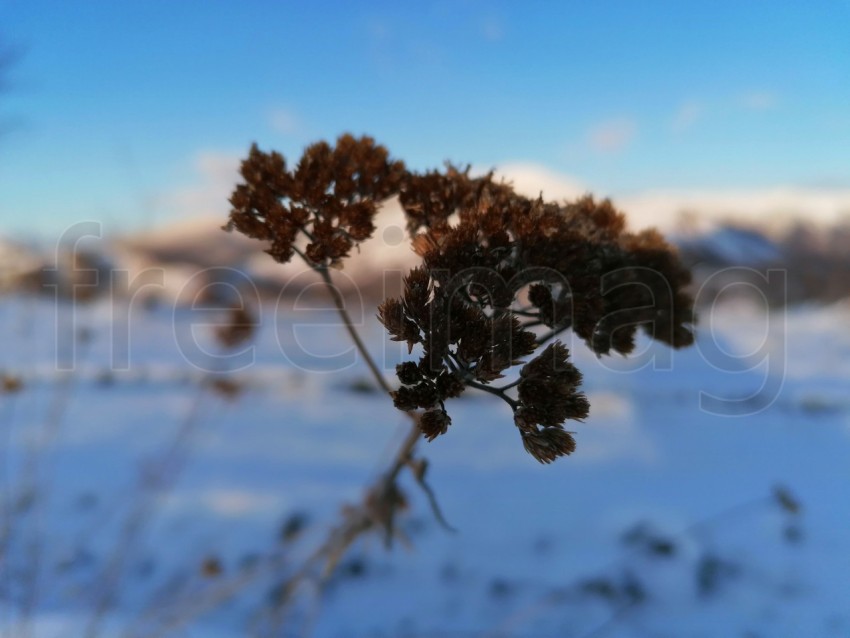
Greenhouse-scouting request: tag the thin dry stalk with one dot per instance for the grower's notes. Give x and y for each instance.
(154, 481)
(375, 511)
(11, 391)
(780, 497)
(33, 492)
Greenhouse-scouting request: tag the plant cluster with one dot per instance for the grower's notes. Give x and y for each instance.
(508, 268)
(501, 277)
(330, 198)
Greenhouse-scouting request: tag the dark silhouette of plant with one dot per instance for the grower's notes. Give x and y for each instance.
(501, 277)
(330, 198)
(319, 211)
(511, 264)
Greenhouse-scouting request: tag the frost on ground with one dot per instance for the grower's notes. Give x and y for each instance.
(707, 497)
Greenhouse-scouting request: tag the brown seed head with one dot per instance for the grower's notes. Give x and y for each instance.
(330, 198)
(494, 265)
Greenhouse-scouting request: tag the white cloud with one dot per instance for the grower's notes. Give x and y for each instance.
(612, 136)
(778, 207)
(688, 114)
(217, 167)
(216, 173)
(531, 179)
(668, 209)
(378, 30)
(492, 29)
(285, 121)
(758, 101)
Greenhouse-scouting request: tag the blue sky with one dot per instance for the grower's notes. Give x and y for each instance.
(136, 112)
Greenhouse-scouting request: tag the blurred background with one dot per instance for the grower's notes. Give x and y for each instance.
(726, 120)
(710, 484)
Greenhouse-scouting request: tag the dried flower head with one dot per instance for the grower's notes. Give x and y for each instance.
(431, 199)
(330, 197)
(496, 269)
(211, 567)
(501, 277)
(239, 329)
(10, 384)
(228, 389)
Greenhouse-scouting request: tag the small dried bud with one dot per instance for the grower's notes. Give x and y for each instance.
(211, 567)
(239, 329)
(330, 197)
(421, 395)
(450, 385)
(405, 399)
(10, 384)
(417, 290)
(433, 423)
(786, 500)
(408, 373)
(547, 390)
(548, 444)
(227, 389)
(292, 528)
(391, 313)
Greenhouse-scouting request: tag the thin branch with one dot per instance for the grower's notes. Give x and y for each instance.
(338, 300)
(533, 324)
(521, 313)
(418, 471)
(542, 339)
(494, 391)
(464, 371)
(510, 385)
(358, 520)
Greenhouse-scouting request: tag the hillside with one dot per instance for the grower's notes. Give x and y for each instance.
(178, 262)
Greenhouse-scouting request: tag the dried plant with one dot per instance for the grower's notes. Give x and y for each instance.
(239, 329)
(511, 264)
(501, 276)
(319, 211)
(330, 197)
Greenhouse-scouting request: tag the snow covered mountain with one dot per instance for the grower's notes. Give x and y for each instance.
(178, 262)
(726, 245)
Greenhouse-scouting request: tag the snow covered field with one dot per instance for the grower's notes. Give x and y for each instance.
(675, 516)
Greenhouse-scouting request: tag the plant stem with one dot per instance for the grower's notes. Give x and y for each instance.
(405, 450)
(361, 519)
(336, 295)
(464, 371)
(499, 392)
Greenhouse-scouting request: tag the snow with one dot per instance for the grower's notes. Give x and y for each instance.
(778, 207)
(730, 246)
(664, 522)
